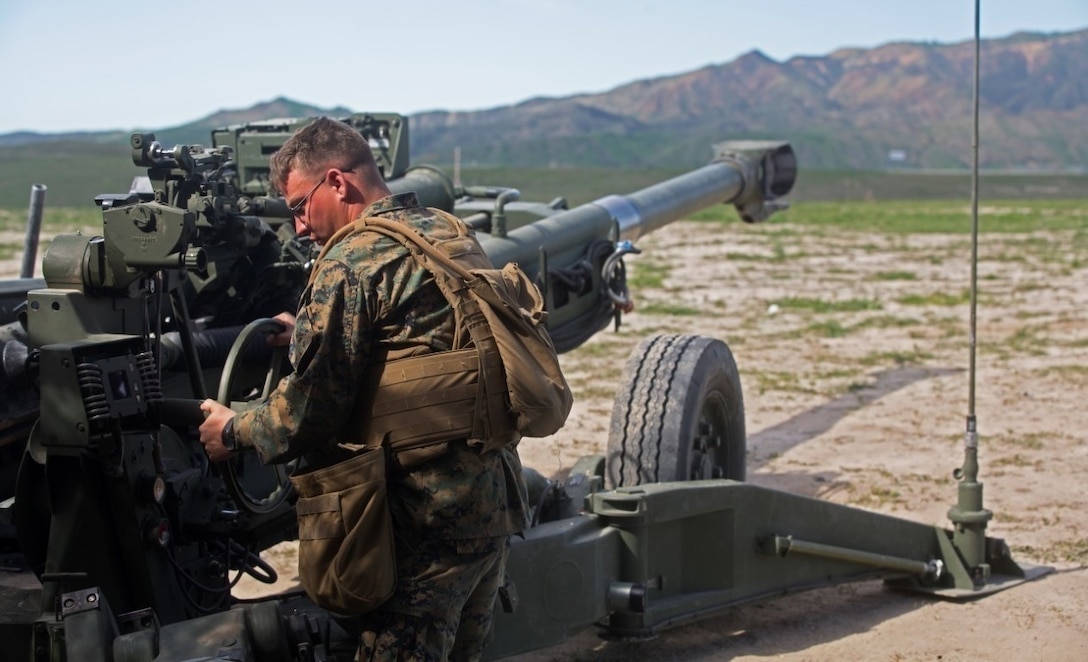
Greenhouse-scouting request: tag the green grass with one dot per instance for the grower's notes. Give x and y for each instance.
(887, 322)
(896, 275)
(1072, 373)
(926, 216)
(54, 219)
(1068, 551)
(1016, 460)
(898, 358)
(829, 329)
(825, 306)
(673, 310)
(646, 274)
(75, 172)
(936, 299)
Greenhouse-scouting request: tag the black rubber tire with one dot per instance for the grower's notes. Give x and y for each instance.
(678, 414)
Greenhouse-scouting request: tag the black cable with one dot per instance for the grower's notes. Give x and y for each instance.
(549, 488)
(252, 563)
(182, 574)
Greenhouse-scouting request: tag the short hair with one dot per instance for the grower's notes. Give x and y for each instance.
(323, 143)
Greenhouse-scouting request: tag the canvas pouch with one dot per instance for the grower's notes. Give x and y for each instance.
(346, 555)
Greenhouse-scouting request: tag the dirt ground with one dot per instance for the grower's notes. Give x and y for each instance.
(853, 353)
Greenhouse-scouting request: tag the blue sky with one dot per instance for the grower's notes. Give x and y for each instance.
(109, 64)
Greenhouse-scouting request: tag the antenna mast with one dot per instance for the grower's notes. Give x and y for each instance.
(968, 515)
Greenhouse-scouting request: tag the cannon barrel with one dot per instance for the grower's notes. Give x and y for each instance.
(574, 255)
(752, 175)
(432, 186)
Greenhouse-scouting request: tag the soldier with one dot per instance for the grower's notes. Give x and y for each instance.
(452, 507)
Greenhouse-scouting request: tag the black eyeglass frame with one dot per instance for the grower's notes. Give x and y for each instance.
(298, 208)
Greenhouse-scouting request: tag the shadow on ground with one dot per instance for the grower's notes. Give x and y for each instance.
(793, 432)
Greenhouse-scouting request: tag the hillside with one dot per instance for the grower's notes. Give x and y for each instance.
(849, 109)
(196, 132)
(901, 105)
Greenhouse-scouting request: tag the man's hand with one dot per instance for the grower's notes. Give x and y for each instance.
(211, 430)
(283, 339)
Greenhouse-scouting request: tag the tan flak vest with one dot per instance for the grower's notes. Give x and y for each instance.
(414, 403)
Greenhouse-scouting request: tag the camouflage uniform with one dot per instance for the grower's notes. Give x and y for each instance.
(452, 515)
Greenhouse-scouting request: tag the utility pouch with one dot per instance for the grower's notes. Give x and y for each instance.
(346, 555)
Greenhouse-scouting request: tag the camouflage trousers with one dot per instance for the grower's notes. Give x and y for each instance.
(441, 609)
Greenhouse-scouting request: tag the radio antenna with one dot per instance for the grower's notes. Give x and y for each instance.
(968, 515)
(973, 342)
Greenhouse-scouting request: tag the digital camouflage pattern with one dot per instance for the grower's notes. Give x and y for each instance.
(367, 296)
(447, 619)
(367, 293)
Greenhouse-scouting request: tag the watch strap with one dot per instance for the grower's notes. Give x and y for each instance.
(230, 441)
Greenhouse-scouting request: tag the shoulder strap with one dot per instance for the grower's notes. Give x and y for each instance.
(409, 237)
(403, 234)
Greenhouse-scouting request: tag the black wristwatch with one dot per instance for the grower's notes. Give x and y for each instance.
(230, 442)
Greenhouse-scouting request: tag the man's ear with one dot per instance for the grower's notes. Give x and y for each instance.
(338, 181)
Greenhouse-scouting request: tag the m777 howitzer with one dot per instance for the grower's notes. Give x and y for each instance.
(124, 541)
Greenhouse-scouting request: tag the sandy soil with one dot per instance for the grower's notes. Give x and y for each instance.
(853, 352)
(868, 407)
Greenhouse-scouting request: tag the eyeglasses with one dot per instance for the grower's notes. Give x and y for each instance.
(298, 209)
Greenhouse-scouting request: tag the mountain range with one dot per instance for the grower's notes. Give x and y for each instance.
(907, 105)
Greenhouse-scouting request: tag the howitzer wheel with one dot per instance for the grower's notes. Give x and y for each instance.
(678, 414)
(240, 469)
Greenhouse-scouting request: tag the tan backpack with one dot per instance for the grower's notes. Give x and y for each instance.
(520, 389)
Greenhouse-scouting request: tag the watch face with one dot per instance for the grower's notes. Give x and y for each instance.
(228, 435)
